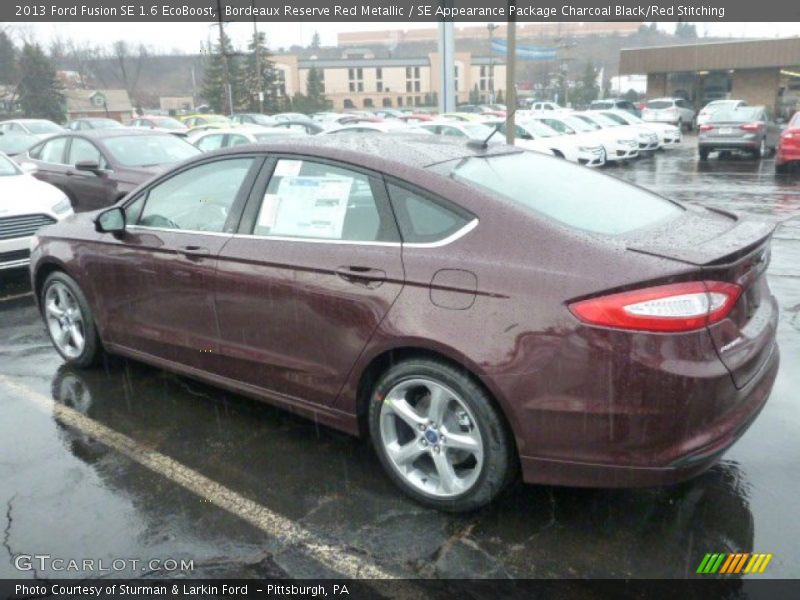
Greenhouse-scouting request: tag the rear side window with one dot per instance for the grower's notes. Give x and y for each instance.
(658, 104)
(422, 220)
(572, 195)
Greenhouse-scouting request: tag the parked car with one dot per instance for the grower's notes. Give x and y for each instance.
(709, 109)
(616, 104)
(535, 135)
(388, 113)
(92, 123)
(253, 119)
(291, 116)
(214, 139)
(788, 147)
(160, 123)
(538, 105)
(95, 168)
(26, 204)
(750, 129)
(304, 126)
(675, 111)
(12, 144)
(207, 121)
(474, 310)
(41, 128)
(474, 109)
(648, 140)
(462, 116)
(364, 127)
(670, 135)
(414, 118)
(618, 147)
(469, 130)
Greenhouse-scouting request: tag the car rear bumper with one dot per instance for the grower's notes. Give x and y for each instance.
(683, 459)
(785, 155)
(729, 144)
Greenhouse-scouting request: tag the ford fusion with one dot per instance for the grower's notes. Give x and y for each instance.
(479, 312)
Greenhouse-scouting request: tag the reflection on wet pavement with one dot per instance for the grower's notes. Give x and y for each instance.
(66, 493)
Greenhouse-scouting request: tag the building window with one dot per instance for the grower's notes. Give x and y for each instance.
(348, 103)
(355, 79)
(455, 77)
(387, 102)
(412, 79)
(378, 79)
(487, 78)
(368, 103)
(399, 101)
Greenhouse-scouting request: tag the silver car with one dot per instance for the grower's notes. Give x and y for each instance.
(750, 129)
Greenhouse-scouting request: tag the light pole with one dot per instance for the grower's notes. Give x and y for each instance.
(257, 56)
(491, 27)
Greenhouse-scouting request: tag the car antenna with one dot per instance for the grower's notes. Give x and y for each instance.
(485, 143)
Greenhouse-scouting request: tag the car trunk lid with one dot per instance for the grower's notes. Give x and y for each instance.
(726, 247)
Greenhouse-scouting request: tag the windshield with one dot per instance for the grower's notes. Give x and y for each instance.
(7, 167)
(603, 120)
(104, 123)
(149, 150)
(42, 127)
(657, 104)
(602, 104)
(477, 130)
(616, 118)
(580, 125)
(737, 115)
(575, 196)
(538, 129)
(16, 143)
(168, 123)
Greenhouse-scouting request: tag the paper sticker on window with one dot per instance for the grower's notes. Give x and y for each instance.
(269, 208)
(313, 207)
(288, 168)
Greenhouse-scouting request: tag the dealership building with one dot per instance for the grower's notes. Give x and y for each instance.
(758, 71)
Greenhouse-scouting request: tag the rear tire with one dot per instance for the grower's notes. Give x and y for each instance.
(761, 151)
(439, 436)
(782, 168)
(69, 321)
(703, 153)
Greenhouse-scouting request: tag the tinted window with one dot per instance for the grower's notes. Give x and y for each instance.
(198, 199)
(149, 150)
(422, 220)
(306, 199)
(53, 151)
(84, 150)
(572, 195)
(237, 140)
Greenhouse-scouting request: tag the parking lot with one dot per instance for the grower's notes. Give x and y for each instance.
(129, 462)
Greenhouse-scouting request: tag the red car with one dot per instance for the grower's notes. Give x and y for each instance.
(788, 150)
(415, 118)
(424, 293)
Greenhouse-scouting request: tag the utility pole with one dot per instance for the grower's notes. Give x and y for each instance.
(511, 64)
(491, 27)
(257, 57)
(447, 95)
(226, 74)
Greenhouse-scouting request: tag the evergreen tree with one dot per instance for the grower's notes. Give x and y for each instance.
(315, 42)
(315, 91)
(588, 89)
(214, 89)
(8, 60)
(39, 90)
(499, 98)
(686, 30)
(474, 95)
(264, 79)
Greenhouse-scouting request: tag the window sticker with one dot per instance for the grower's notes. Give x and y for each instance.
(288, 168)
(312, 207)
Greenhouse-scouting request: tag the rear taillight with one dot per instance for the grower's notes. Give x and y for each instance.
(664, 308)
(751, 127)
(705, 127)
(792, 133)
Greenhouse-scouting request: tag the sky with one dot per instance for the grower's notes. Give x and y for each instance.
(187, 37)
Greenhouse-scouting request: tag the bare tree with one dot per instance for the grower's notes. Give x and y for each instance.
(129, 65)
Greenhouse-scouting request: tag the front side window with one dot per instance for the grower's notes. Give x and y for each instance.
(197, 199)
(574, 196)
(211, 142)
(149, 150)
(422, 220)
(83, 150)
(311, 200)
(53, 151)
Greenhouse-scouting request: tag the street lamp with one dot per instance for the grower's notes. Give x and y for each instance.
(491, 27)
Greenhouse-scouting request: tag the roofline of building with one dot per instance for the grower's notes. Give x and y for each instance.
(736, 41)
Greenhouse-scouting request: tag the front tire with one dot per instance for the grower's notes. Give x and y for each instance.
(439, 436)
(69, 320)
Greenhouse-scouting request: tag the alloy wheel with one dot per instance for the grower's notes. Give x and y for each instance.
(64, 320)
(431, 438)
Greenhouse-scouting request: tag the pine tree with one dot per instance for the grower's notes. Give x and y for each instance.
(500, 99)
(8, 60)
(315, 41)
(264, 79)
(474, 95)
(588, 90)
(315, 91)
(39, 90)
(213, 88)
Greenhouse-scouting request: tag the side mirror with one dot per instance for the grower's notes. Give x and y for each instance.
(111, 221)
(28, 167)
(91, 166)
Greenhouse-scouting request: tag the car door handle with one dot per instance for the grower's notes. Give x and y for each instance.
(362, 275)
(194, 251)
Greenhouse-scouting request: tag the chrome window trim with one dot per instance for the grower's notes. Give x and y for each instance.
(437, 244)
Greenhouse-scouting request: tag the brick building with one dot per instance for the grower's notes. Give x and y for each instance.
(758, 71)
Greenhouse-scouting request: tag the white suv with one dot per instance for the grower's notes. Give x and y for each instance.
(676, 111)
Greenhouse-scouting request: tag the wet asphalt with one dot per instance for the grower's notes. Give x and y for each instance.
(66, 493)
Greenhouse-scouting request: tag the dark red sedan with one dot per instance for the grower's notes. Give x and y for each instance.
(475, 311)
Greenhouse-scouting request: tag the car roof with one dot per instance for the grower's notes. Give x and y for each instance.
(116, 132)
(390, 154)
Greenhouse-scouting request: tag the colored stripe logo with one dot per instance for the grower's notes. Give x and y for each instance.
(728, 564)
